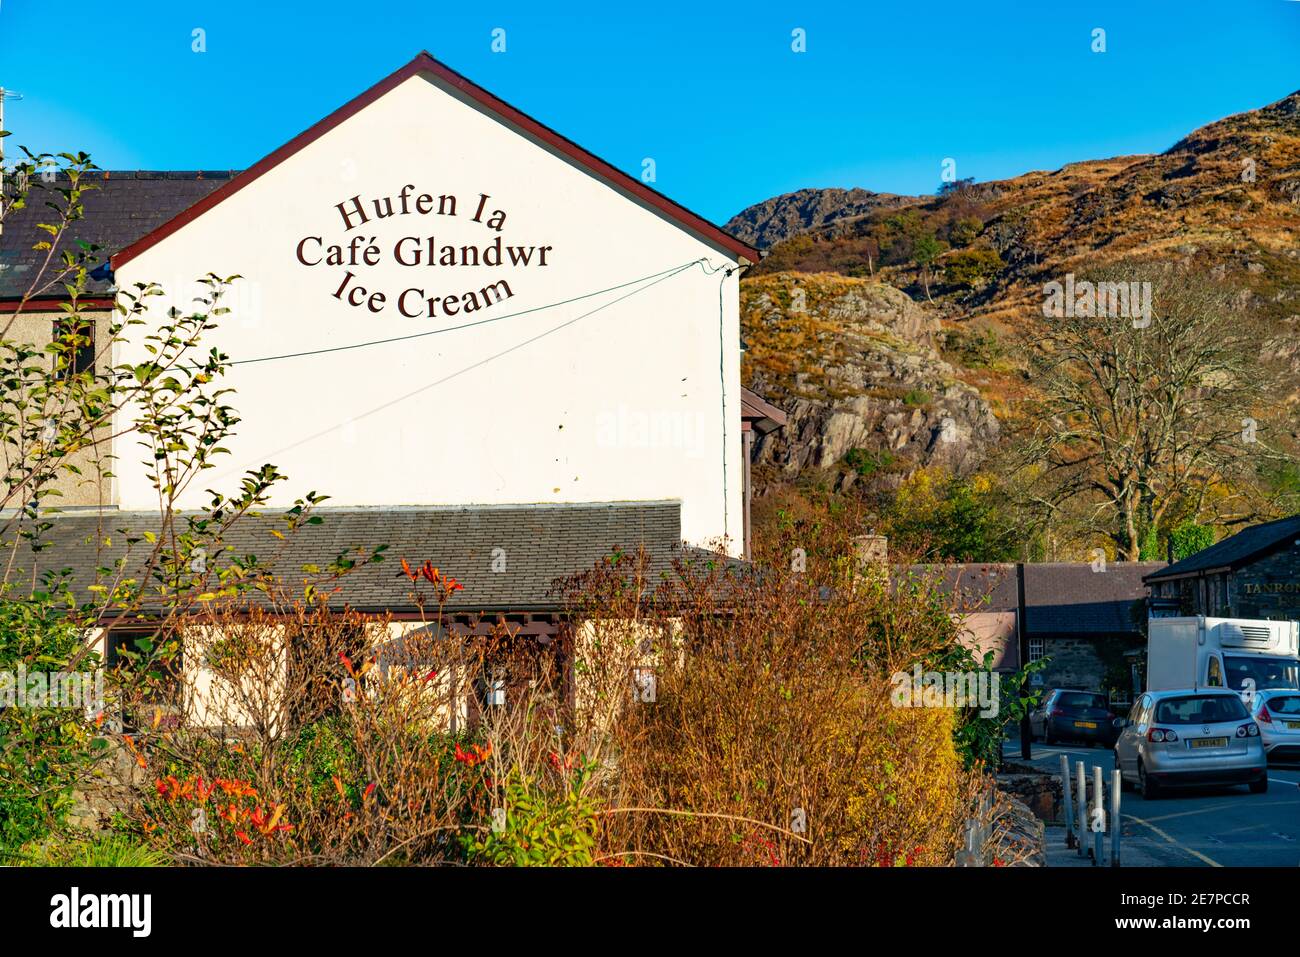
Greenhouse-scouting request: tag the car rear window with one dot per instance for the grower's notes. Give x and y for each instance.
(1287, 705)
(1081, 699)
(1200, 709)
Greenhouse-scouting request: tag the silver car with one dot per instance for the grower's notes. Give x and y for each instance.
(1194, 737)
(1277, 712)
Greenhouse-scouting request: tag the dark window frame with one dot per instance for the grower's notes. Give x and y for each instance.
(83, 358)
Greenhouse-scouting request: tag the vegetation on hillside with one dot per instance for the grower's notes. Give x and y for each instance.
(1201, 432)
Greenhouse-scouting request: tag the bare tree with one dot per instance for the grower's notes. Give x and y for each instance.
(1153, 393)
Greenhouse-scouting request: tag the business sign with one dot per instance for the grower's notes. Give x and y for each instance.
(435, 290)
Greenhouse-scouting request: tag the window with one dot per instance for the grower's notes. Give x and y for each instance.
(149, 667)
(1201, 709)
(1137, 715)
(1081, 700)
(1036, 649)
(1288, 705)
(1213, 673)
(79, 343)
(1265, 672)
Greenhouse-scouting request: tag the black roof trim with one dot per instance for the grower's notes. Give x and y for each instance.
(1234, 551)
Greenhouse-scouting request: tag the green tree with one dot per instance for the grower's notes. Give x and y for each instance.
(973, 267)
(925, 250)
(947, 518)
(1188, 538)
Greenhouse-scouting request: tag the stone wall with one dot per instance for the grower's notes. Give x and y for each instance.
(1037, 790)
(1075, 664)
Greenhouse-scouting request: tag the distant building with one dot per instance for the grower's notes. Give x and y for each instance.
(1253, 574)
(1084, 618)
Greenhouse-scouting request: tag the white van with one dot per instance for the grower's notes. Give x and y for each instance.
(1243, 654)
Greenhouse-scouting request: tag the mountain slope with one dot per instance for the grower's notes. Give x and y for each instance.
(841, 330)
(1225, 197)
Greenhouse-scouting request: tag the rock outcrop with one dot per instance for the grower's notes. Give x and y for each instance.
(856, 366)
(806, 210)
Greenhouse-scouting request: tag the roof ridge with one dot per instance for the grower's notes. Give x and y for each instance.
(112, 515)
(510, 116)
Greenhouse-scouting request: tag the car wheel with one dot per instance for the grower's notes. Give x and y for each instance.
(1150, 790)
(1260, 786)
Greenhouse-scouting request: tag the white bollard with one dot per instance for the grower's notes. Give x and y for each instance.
(1082, 798)
(1115, 789)
(1067, 796)
(1098, 815)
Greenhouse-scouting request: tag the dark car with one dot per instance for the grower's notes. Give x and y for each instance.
(1067, 714)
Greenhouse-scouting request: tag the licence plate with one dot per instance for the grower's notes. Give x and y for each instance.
(1208, 742)
(1085, 724)
(1293, 725)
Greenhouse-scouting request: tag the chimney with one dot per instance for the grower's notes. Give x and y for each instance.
(869, 552)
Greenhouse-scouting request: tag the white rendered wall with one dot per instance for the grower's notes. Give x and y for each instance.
(625, 404)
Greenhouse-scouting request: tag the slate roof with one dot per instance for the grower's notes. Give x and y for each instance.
(121, 208)
(970, 587)
(541, 544)
(1061, 598)
(1236, 550)
(1070, 598)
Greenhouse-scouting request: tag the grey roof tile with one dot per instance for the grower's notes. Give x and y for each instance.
(122, 207)
(1061, 598)
(542, 543)
(971, 587)
(1070, 598)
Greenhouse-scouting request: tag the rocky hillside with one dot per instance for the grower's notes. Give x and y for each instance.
(878, 379)
(807, 210)
(1226, 197)
(856, 366)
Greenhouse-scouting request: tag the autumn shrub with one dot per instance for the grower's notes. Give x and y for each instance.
(717, 713)
(770, 738)
(313, 736)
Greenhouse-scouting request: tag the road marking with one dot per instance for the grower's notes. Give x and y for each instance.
(1182, 847)
(1209, 809)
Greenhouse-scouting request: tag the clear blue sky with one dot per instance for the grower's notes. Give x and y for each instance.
(716, 96)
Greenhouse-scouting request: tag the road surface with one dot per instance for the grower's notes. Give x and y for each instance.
(1209, 827)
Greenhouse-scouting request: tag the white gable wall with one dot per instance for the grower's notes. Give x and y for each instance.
(625, 404)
